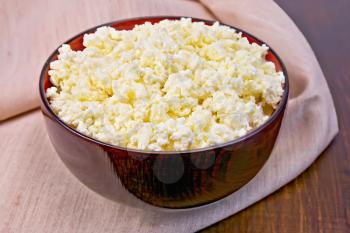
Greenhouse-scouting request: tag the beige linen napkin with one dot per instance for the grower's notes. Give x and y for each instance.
(39, 195)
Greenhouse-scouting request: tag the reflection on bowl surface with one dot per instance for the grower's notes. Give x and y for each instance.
(165, 179)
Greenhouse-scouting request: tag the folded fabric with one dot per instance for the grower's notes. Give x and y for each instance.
(39, 195)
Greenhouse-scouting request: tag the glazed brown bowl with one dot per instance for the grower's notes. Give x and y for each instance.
(168, 179)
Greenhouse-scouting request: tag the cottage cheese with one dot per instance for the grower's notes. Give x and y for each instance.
(174, 85)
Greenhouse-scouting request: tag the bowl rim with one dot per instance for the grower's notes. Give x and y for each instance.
(280, 108)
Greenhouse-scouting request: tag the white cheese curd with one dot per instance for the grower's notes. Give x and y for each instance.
(174, 85)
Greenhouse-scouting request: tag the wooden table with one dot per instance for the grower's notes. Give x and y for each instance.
(319, 199)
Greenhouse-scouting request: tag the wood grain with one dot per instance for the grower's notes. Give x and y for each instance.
(319, 199)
